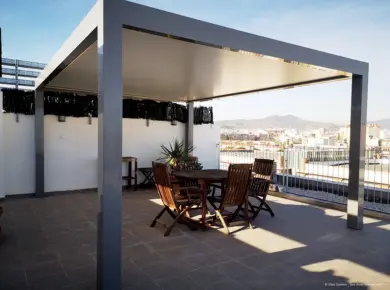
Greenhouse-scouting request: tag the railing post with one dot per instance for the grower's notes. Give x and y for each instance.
(357, 151)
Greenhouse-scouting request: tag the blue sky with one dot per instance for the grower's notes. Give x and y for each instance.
(34, 30)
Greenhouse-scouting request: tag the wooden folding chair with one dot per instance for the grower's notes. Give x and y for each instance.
(259, 186)
(187, 164)
(176, 205)
(234, 194)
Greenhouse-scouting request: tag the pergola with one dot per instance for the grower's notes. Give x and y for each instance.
(126, 49)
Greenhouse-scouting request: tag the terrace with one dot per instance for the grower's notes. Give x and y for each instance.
(50, 243)
(116, 53)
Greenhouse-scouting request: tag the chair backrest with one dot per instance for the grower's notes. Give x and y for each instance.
(163, 184)
(188, 163)
(236, 187)
(263, 168)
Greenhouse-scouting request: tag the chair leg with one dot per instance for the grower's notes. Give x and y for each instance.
(179, 216)
(246, 213)
(251, 206)
(236, 213)
(263, 206)
(212, 204)
(219, 215)
(256, 209)
(213, 193)
(157, 217)
(268, 208)
(171, 213)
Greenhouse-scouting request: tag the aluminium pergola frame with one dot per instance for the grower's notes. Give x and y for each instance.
(109, 18)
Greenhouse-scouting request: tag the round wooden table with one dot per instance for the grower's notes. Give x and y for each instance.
(204, 178)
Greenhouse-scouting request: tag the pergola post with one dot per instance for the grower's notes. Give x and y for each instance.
(109, 146)
(189, 133)
(2, 192)
(357, 151)
(39, 144)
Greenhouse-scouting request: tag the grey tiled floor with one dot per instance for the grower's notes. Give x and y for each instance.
(50, 243)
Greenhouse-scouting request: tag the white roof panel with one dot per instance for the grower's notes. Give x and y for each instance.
(174, 58)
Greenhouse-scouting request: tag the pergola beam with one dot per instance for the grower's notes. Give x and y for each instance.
(163, 22)
(80, 39)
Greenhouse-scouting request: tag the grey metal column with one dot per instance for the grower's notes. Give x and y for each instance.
(110, 146)
(357, 151)
(189, 133)
(39, 144)
(2, 193)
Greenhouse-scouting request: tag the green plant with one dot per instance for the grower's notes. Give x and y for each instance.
(198, 166)
(175, 151)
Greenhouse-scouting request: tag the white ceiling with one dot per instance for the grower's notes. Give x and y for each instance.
(166, 69)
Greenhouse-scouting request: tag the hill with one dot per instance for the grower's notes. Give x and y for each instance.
(277, 122)
(383, 123)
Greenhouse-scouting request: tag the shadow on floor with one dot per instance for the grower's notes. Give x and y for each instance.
(50, 243)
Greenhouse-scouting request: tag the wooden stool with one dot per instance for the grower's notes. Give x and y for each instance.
(147, 172)
(130, 160)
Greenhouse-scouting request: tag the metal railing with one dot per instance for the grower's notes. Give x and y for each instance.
(19, 72)
(320, 173)
(9, 81)
(23, 63)
(11, 67)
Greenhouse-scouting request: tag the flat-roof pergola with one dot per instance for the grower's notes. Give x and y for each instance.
(126, 49)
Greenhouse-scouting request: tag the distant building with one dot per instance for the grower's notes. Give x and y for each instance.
(19, 74)
(385, 145)
(323, 141)
(244, 134)
(373, 134)
(373, 131)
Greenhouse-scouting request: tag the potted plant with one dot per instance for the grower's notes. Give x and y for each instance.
(174, 151)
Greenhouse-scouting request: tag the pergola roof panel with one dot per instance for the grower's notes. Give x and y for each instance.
(175, 58)
(163, 68)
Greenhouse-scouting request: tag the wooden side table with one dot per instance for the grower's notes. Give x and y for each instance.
(130, 160)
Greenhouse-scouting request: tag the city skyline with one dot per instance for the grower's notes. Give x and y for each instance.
(337, 27)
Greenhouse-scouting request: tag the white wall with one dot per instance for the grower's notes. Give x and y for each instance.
(19, 154)
(71, 150)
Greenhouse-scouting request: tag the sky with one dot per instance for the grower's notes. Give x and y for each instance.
(35, 30)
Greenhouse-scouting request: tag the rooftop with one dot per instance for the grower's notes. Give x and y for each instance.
(50, 243)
